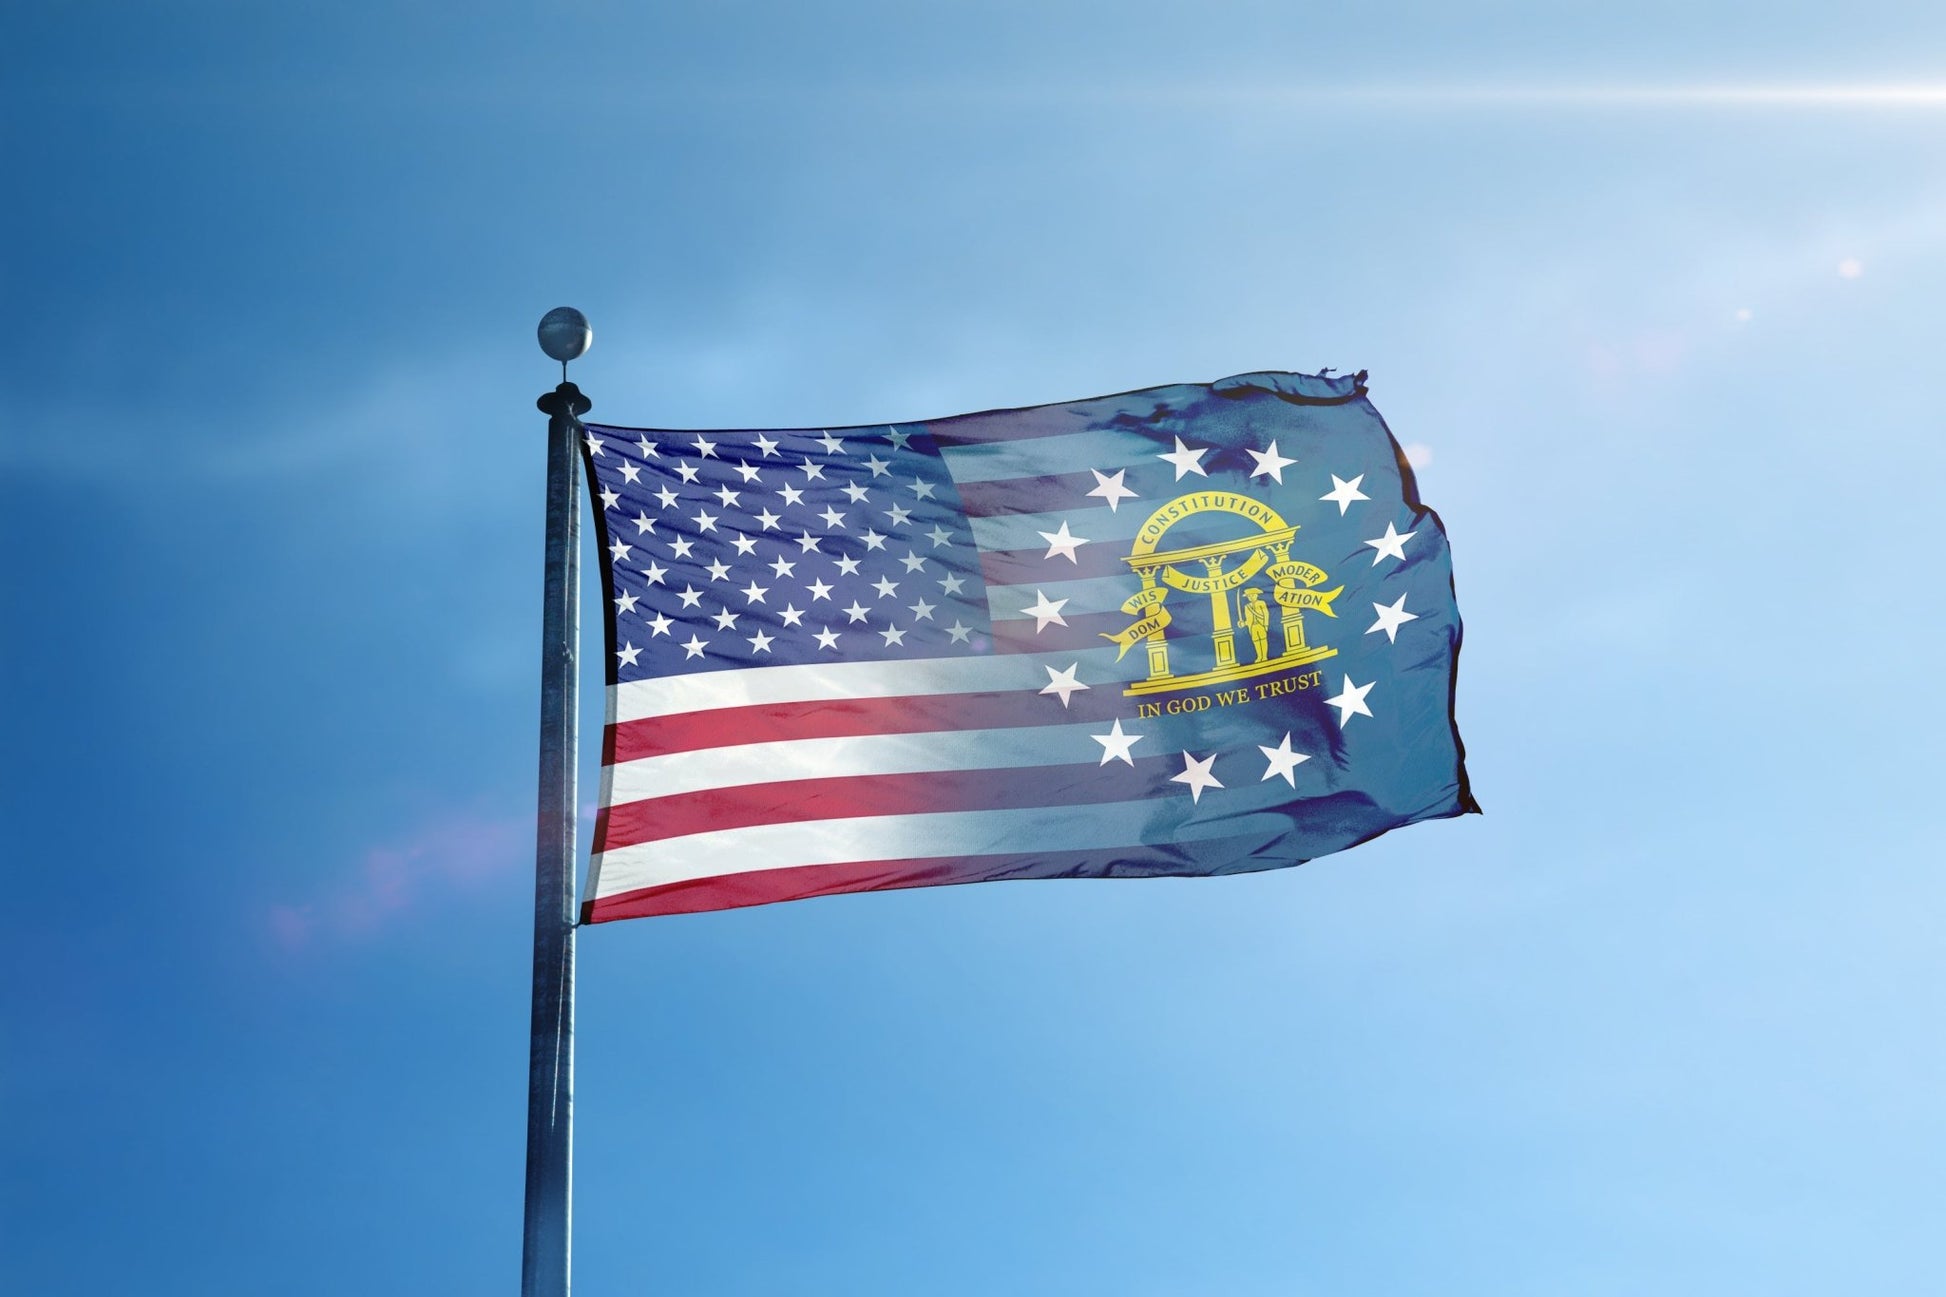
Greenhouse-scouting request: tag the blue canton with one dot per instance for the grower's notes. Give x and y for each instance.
(741, 550)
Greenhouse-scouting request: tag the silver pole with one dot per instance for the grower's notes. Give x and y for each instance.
(545, 1240)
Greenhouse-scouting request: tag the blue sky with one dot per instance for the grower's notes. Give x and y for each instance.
(1664, 1019)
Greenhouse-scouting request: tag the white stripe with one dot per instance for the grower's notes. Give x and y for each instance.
(709, 690)
(1024, 530)
(1092, 594)
(1071, 452)
(867, 754)
(901, 837)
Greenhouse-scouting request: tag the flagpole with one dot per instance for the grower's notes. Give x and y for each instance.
(545, 1239)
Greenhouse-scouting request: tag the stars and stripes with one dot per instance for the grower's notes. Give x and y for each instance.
(858, 658)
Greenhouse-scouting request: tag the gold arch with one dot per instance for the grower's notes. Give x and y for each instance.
(1266, 551)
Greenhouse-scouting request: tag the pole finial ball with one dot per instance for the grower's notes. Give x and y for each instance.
(565, 334)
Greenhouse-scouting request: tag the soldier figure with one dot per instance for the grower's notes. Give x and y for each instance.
(1256, 619)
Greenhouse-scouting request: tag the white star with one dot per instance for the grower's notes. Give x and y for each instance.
(922, 488)
(1391, 544)
(627, 654)
(831, 443)
(594, 445)
(1342, 493)
(791, 494)
(630, 473)
(718, 570)
(694, 648)
(725, 620)
(959, 631)
(951, 584)
(856, 612)
(893, 635)
(745, 546)
(1185, 461)
(643, 523)
(667, 497)
(1270, 464)
(783, 566)
(846, 566)
(811, 470)
(939, 536)
(688, 472)
(1111, 489)
(877, 465)
(1391, 618)
(872, 539)
(1063, 683)
(655, 572)
(885, 587)
(899, 439)
(768, 520)
(618, 551)
(744, 470)
(1063, 542)
(648, 448)
(754, 593)
(913, 563)
(705, 520)
(819, 590)
(1282, 760)
(899, 516)
(1044, 612)
(690, 596)
(609, 499)
(760, 642)
(922, 611)
(1197, 775)
(807, 543)
(791, 615)
(705, 448)
(856, 491)
(658, 625)
(681, 546)
(727, 496)
(827, 638)
(1115, 745)
(625, 604)
(832, 518)
(766, 445)
(1350, 701)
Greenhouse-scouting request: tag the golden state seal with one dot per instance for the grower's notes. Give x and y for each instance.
(1234, 602)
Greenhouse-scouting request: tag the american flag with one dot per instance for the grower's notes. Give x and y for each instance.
(918, 653)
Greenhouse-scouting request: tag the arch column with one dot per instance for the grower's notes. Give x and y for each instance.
(1293, 622)
(1157, 645)
(1223, 633)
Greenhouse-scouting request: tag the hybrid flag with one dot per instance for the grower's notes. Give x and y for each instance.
(1199, 629)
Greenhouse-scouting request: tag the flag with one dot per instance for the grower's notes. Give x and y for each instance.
(1197, 629)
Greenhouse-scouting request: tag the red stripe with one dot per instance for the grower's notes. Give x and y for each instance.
(847, 717)
(1009, 495)
(764, 886)
(1023, 424)
(794, 801)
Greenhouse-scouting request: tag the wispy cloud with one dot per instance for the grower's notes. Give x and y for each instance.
(1433, 96)
(429, 867)
(1707, 95)
(391, 424)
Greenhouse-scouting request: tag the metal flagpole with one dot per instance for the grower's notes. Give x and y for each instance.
(545, 1251)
